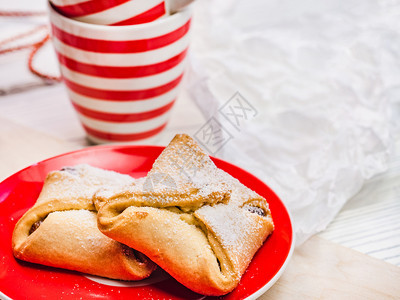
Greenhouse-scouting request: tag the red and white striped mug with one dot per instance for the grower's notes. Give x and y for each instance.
(122, 80)
(112, 12)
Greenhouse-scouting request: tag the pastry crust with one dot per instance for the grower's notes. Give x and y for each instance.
(205, 239)
(60, 230)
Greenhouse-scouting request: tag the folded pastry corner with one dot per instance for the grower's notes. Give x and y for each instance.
(194, 220)
(60, 230)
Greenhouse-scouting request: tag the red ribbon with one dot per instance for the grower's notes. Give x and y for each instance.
(35, 46)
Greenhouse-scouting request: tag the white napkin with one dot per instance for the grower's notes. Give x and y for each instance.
(319, 75)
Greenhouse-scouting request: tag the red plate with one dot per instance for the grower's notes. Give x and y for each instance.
(20, 279)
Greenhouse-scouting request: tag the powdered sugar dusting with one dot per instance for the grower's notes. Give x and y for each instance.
(182, 175)
(230, 224)
(81, 181)
(240, 193)
(229, 221)
(109, 191)
(190, 169)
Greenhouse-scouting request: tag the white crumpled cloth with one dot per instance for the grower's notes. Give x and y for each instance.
(321, 76)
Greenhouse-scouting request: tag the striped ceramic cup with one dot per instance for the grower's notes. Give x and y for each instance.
(122, 80)
(112, 12)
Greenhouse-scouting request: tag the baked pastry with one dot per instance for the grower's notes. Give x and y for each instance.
(60, 230)
(194, 220)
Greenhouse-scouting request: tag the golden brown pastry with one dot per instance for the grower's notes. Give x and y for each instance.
(60, 230)
(194, 220)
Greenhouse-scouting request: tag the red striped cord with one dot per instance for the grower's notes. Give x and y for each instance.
(20, 13)
(18, 37)
(31, 57)
(35, 46)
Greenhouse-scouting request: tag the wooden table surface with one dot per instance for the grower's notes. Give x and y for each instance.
(319, 269)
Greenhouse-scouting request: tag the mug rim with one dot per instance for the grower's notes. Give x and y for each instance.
(144, 26)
